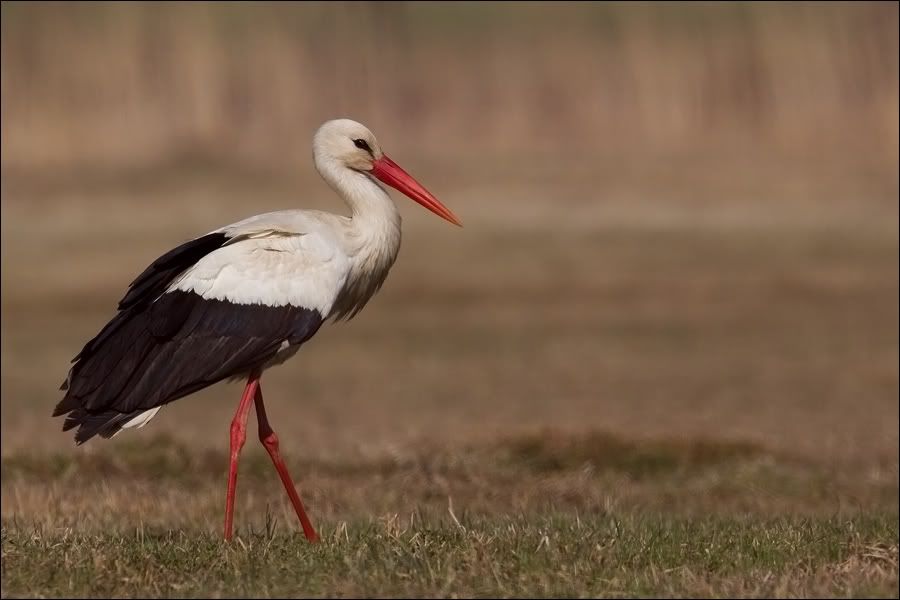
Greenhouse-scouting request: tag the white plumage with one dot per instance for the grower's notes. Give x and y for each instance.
(272, 267)
(140, 420)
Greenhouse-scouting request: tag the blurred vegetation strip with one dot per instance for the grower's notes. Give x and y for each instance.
(118, 84)
(537, 454)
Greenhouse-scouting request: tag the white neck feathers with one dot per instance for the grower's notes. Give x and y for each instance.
(372, 234)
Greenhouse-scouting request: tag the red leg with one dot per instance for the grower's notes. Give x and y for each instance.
(270, 441)
(238, 437)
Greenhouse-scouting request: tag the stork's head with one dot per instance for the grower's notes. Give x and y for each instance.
(352, 146)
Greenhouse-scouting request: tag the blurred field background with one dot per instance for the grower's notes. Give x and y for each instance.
(675, 295)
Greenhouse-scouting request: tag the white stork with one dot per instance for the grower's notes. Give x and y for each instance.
(243, 298)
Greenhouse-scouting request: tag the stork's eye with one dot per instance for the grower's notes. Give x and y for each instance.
(362, 145)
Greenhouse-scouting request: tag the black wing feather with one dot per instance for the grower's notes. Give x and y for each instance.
(162, 346)
(153, 282)
(164, 269)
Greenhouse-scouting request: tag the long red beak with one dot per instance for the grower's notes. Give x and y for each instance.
(390, 173)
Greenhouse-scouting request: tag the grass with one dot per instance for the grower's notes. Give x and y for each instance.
(558, 556)
(541, 515)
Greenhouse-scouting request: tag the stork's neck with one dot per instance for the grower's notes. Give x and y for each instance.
(373, 213)
(371, 236)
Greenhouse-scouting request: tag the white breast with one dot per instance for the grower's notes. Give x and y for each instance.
(372, 258)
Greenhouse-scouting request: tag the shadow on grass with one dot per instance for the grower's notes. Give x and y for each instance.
(551, 452)
(541, 453)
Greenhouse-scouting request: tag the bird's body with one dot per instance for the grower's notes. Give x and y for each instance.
(244, 298)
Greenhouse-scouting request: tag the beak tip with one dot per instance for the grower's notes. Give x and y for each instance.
(453, 219)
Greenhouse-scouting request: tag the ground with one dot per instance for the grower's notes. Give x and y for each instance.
(646, 380)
